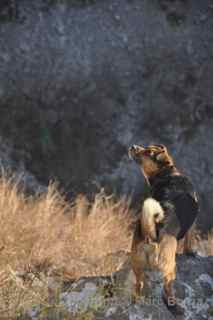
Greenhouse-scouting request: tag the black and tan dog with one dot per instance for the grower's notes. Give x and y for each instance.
(166, 217)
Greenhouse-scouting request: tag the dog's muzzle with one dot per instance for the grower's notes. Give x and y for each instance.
(134, 151)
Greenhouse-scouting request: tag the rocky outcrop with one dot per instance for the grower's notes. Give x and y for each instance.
(15, 169)
(82, 80)
(109, 297)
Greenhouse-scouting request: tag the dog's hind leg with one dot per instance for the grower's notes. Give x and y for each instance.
(187, 244)
(167, 265)
(168, 294)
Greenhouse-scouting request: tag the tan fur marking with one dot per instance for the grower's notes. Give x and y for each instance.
(150, 167)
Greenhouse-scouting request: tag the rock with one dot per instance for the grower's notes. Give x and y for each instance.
(17, 171)
(90, 296)
(81, 82)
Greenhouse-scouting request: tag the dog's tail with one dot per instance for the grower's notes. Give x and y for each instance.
(152, 214)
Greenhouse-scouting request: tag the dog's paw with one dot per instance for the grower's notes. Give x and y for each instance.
(173, 306)
(134, 298)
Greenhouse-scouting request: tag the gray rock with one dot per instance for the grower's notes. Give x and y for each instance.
(105, 298)
(80, 81)
(11, 168)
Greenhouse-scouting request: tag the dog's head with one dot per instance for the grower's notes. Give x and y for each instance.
(152, 159)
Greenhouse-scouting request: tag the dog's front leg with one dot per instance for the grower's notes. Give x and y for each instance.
(138, 286)
(139, 278)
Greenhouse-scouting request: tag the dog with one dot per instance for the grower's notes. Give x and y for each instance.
(165, 218)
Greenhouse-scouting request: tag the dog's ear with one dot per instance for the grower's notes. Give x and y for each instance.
(162, 147)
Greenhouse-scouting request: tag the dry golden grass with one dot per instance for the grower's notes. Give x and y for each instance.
(203, 245)
(48, 230)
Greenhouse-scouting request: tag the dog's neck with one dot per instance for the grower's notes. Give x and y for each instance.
(164, 172)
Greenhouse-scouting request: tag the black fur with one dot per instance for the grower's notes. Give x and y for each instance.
(177, 197)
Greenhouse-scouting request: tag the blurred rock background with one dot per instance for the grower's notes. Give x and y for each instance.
(81, 80)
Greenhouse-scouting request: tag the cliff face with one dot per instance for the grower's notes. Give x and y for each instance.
(82, 80)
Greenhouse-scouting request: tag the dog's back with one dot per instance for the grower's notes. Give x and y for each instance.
(177, 196)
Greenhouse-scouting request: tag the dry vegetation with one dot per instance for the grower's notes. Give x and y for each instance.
(49, 231)
(47, 234)
(200, 244)
(50, 235)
